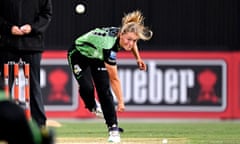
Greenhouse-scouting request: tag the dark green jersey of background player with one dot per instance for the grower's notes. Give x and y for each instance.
(100, 43)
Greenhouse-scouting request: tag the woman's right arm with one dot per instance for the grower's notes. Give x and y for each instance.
(116, 85)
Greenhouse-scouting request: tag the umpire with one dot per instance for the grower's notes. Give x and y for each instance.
(22, 27)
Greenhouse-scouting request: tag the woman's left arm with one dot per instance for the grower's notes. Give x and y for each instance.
(140, 62)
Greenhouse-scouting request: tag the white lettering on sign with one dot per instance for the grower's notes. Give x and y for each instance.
(156, 86)
(139, 87)
(43, 78)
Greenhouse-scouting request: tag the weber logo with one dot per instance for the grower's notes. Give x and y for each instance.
(174, 85)
(59, 88)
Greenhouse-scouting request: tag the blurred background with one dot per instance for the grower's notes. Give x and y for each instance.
(177, 24)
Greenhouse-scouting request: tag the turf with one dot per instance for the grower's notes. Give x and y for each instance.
(179, 132)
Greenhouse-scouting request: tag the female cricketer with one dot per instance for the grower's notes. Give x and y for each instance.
(92, 59)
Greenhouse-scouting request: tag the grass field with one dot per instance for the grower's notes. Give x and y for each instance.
(151, 132)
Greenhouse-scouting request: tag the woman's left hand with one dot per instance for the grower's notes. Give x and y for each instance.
(141, 65)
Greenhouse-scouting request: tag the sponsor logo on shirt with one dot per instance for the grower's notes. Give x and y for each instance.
(113, 55)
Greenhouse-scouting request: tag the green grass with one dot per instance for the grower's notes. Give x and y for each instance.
(190, 132)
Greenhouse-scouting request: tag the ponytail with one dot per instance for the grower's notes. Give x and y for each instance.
(134, 22)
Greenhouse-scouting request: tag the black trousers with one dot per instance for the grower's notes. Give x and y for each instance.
(36, 100)
(90, 74)
(14, 127)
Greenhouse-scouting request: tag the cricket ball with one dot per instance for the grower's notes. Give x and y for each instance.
(80, 8)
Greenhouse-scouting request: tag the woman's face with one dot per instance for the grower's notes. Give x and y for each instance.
(128, 40)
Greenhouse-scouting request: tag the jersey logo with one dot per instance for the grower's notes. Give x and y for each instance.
(77, 69)
(113, 55)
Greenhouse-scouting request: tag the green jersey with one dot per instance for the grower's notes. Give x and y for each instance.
(98, 43)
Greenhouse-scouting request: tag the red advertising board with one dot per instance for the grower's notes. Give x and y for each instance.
(176, 85)
(236, 84)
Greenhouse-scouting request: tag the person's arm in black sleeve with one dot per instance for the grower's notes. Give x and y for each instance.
(44, 17)
(5, 27)
(111, 65)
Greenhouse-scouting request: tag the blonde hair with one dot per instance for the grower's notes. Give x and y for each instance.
(134, 22)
